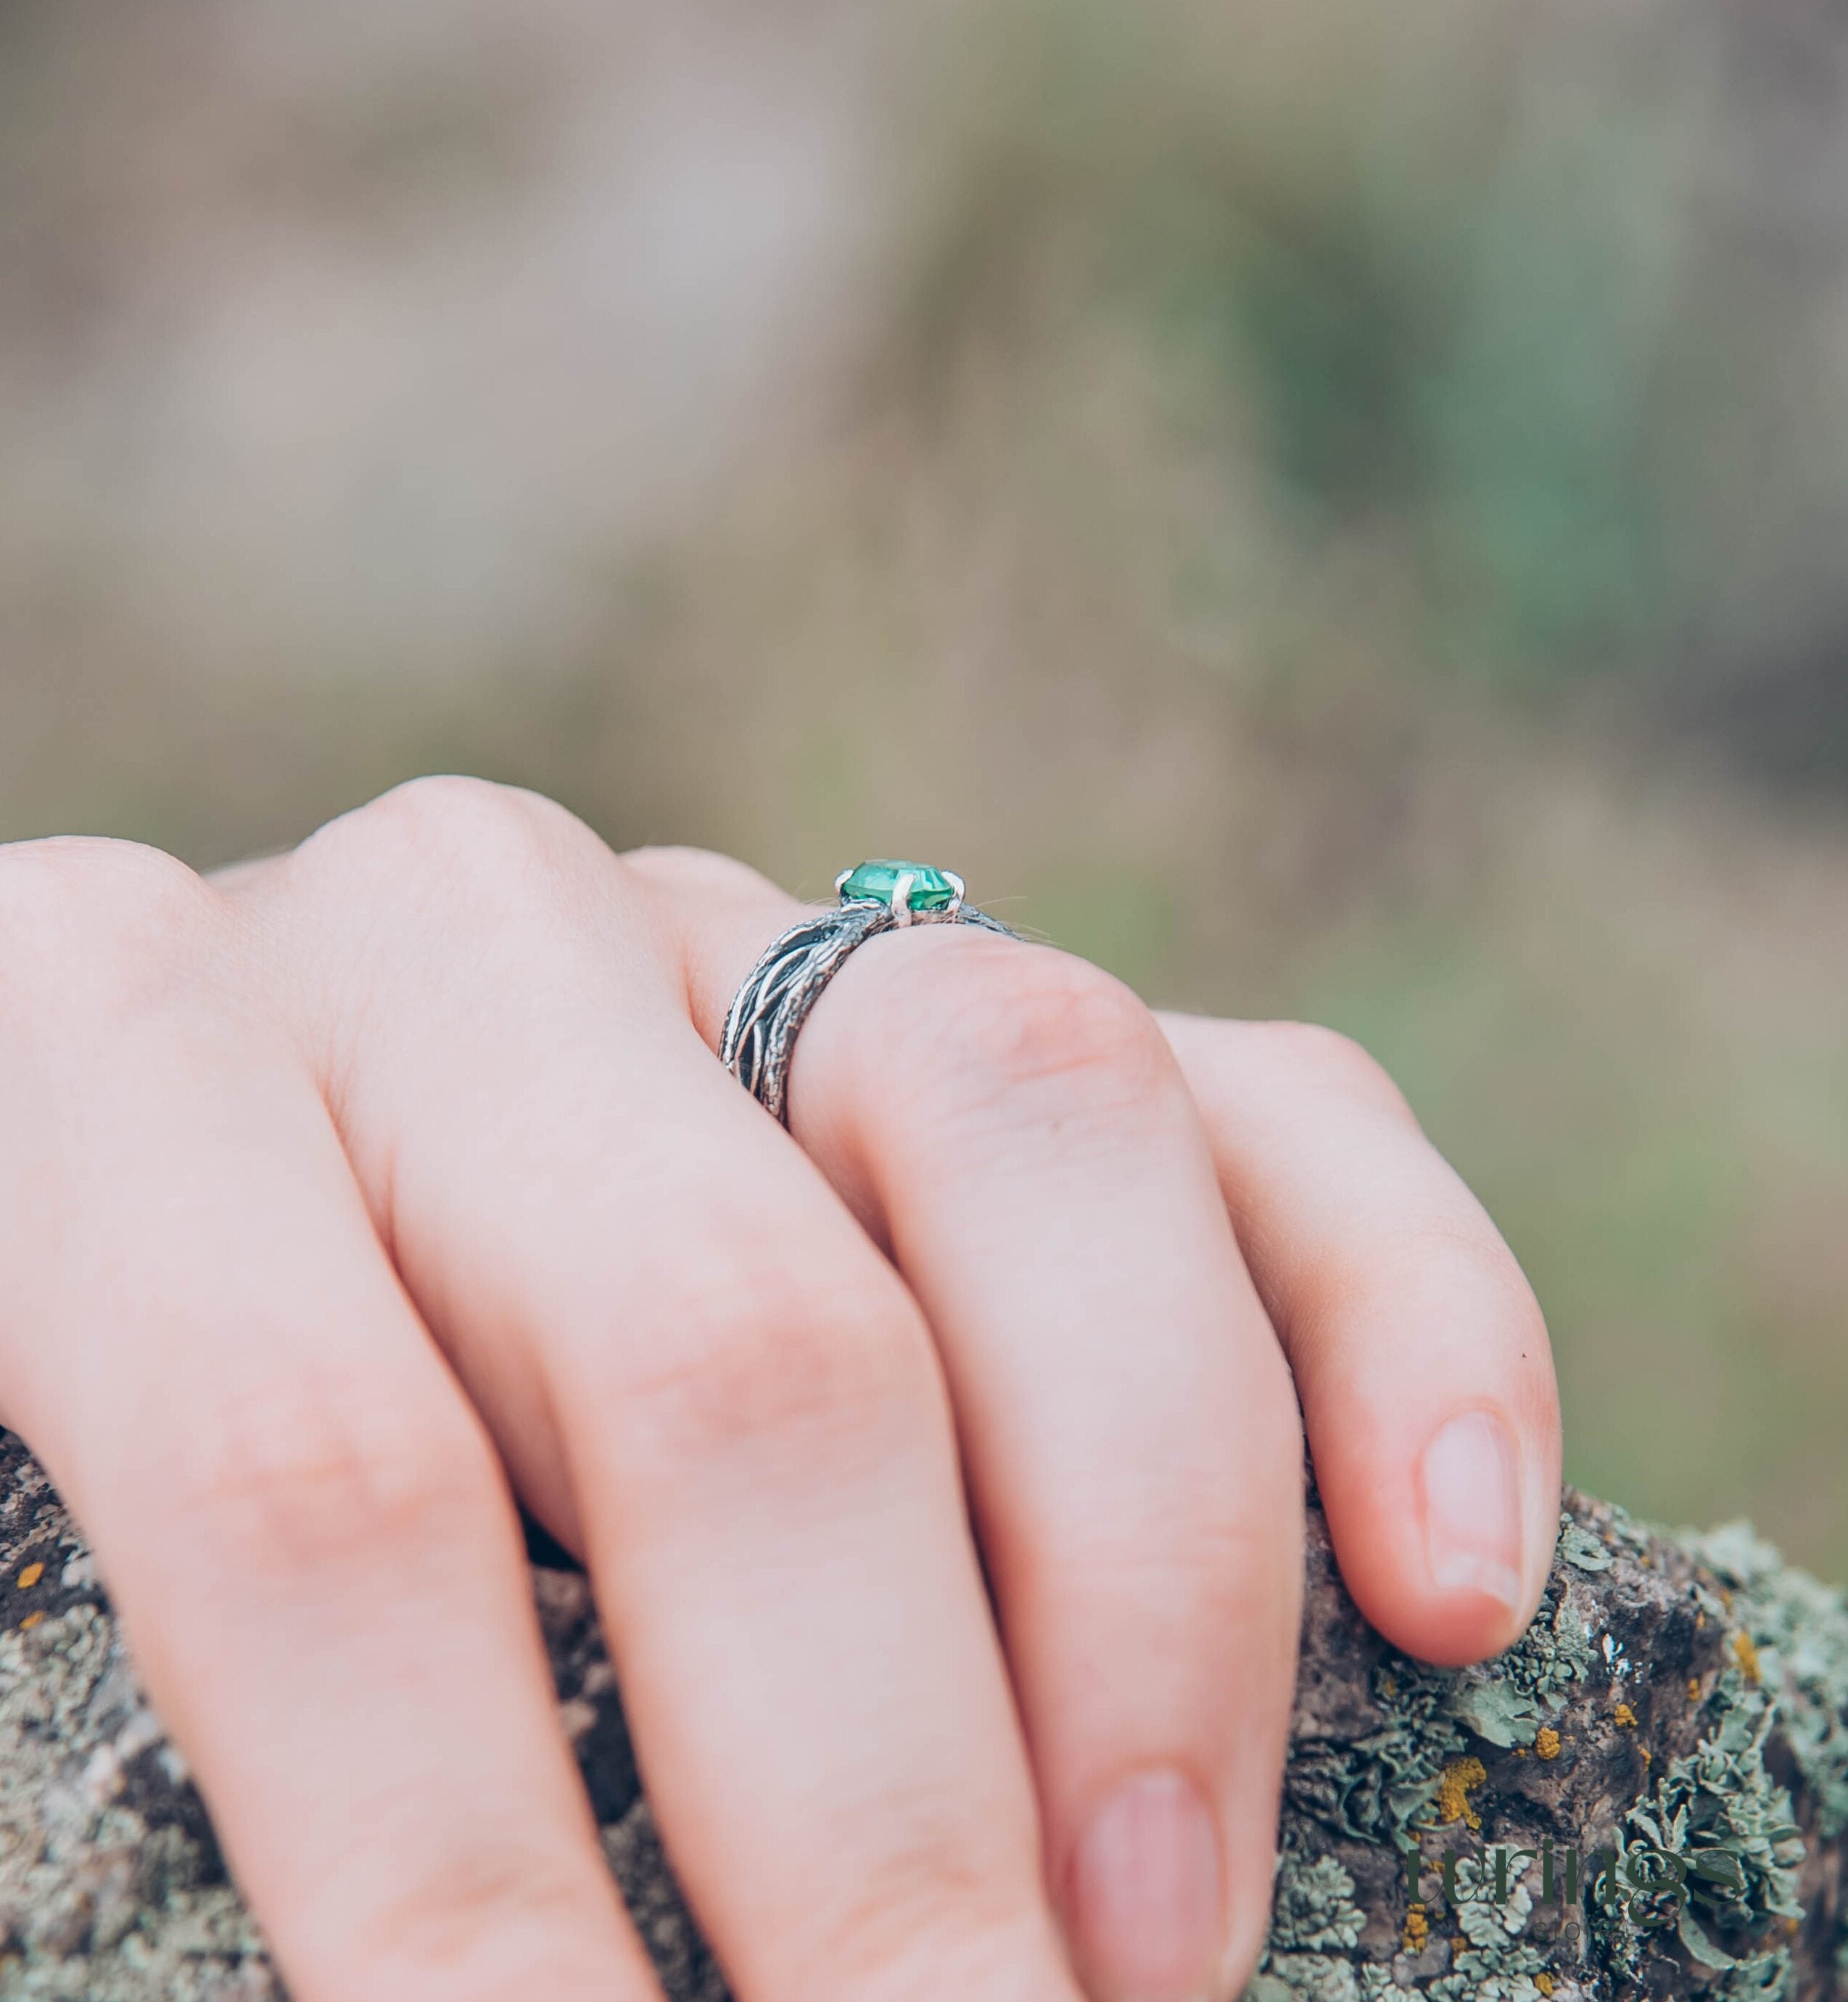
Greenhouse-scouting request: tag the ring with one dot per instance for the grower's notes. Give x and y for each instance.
(770, 1008)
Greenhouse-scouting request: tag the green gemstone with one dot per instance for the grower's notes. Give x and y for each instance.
(874, 883)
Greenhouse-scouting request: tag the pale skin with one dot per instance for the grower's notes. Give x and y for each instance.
(937, 1463)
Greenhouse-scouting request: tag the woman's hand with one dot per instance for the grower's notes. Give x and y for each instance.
(347, 1197)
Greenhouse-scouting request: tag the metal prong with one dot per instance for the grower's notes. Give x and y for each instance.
(902, 891)
(840, 879)
(959, 890)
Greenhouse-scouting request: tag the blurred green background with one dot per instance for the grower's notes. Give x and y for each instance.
(1331, 510)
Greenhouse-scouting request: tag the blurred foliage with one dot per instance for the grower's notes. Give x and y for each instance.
(1360, 491)
(1551, 296)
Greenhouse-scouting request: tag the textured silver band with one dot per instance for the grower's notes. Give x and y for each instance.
(767, 1012)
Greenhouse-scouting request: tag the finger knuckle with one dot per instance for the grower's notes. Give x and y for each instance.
(1455, 1238)
(98, 923)
(470, 1907)
(946, 1909)
(448, 836)
(1002, 1020)
(304, 1486)
(1485, 1279)
(1193, 1536)
(763, 1363)
(1331, 1060)
(698, 871)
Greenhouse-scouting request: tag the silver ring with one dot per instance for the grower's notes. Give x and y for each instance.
(770, 1008)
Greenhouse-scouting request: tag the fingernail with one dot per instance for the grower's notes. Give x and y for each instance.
(1472, 1508)
(1146, 1905)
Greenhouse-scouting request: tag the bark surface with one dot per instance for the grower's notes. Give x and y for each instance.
(1677, 1702)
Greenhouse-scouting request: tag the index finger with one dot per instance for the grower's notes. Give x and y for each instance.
(313, 1551)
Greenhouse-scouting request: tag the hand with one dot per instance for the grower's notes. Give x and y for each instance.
(349, 1196)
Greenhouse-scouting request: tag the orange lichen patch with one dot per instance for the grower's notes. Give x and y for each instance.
(1694, 1689)
(1453, 1791)
(1544, 1983)
(1417, 1931)
(1700, 1619)
(31, 1620)
(31, 1576)
(1648, 1756)
(1520, 1750)
(1626, 1717)
(1545, 1743)
(1744, 1647)
(1388, 1687)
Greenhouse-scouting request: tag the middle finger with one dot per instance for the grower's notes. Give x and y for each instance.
(704, 1375)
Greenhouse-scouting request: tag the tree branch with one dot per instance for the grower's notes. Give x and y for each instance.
(1647, 1796)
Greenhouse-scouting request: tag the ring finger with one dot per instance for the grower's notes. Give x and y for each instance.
(1010, 1123)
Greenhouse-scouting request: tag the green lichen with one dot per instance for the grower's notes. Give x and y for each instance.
(1377, 1984)
(1504, 1975)
(1485, 1924)
(1305, 1977)
(1315, 1911)
(1381, 1789)
(1722, 1794)
(1378, 1788)
(1506, 1699)
(1577, 1547)
(1498, 1711)
(1497, 1965)
(1799, 1628)
(1373, 1789)
(1313, 1918)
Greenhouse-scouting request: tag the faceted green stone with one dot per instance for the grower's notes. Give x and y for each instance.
(874, 882)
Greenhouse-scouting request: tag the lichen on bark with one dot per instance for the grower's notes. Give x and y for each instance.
(1671, 1693)
(1675, 1696)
